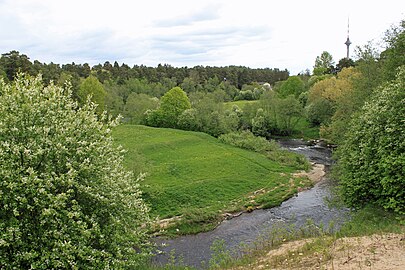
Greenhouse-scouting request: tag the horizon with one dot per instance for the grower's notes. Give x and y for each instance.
(259, 34)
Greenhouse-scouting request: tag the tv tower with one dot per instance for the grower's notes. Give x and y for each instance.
(348, 40)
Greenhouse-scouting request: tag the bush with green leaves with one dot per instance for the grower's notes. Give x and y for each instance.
(270, 148)
(66, 202)
(248, 140)
(92, 87)
(372, 156)
(320, 111)
(172, 105)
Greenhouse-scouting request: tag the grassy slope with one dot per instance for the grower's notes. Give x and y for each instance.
(194, 175)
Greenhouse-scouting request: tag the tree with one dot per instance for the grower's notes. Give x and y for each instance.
(172, 105)
(371, 158)
(323, 64)
(344, 63)
(13, 62)
(188, 120)
(260, 125)
(394, 56)
(92, 87)
(66, 200)
(288, 112)
(137, 105)
(320, 111)
(330, 103)
(292, 86)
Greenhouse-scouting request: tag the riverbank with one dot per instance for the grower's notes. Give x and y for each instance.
(378, 251)
(263, 227)
(315, 175)
(246, 239)
(194, 181)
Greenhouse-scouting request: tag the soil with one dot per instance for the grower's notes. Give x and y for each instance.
(316, 173)
(379, 252)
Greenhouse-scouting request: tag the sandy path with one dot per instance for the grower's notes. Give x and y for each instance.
(379, 252)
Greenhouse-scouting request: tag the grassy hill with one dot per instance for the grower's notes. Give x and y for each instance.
(193, 175)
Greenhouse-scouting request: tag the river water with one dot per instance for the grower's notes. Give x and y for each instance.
(249, 227)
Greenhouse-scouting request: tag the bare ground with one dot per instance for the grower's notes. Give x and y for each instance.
(379, 252)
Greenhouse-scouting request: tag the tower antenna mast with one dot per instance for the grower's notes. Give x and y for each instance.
(348, 42)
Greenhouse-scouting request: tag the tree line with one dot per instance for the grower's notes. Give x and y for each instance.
(13, 62)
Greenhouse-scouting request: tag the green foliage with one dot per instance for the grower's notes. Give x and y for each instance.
(288, 112)
(332, 101)
(261, 124)
(137, 105)
(323, 64)
(394, 56)
(245, 95)
(370, 220)
(172, 105)
(371, 158)
(320, 111)
(317, 78)
(344, 63)
(276, 116)
(292, 86)
(13, 62)
(221, 256)
(208, 115)
(248, 140)
(240, 103)
(93, 88)
(188, 120)
(66, 202)
(270, 148)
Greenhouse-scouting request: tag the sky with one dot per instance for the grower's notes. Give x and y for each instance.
(284, 34)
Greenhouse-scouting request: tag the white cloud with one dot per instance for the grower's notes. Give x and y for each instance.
(256, 33)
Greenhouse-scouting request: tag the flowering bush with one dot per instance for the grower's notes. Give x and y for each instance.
(372, 156)
(65, 199)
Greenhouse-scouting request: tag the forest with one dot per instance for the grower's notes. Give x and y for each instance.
(355, 105)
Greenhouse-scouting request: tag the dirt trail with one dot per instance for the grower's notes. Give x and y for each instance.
(379, 252)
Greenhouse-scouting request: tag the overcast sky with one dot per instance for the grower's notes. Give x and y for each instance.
(285, 34)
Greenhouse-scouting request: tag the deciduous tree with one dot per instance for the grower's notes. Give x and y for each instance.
(371, 158)
(93, 88)
(66, 201)
(172, 105)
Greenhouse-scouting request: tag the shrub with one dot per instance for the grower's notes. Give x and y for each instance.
(372, 156)
(188, 120)
(271, 149)
(66, 201)
(248, 140)
(172, 105)
(320, 111)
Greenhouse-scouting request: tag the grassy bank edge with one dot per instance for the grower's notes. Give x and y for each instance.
(367, 222)
(199, 220)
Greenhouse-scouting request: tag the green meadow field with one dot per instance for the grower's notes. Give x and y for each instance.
(196, 177)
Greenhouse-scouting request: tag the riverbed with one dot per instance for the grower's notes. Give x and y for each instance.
(312, 204)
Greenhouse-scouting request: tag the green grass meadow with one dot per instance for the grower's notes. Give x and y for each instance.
(195, 176)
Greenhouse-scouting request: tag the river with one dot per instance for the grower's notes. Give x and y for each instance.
(249, 227)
